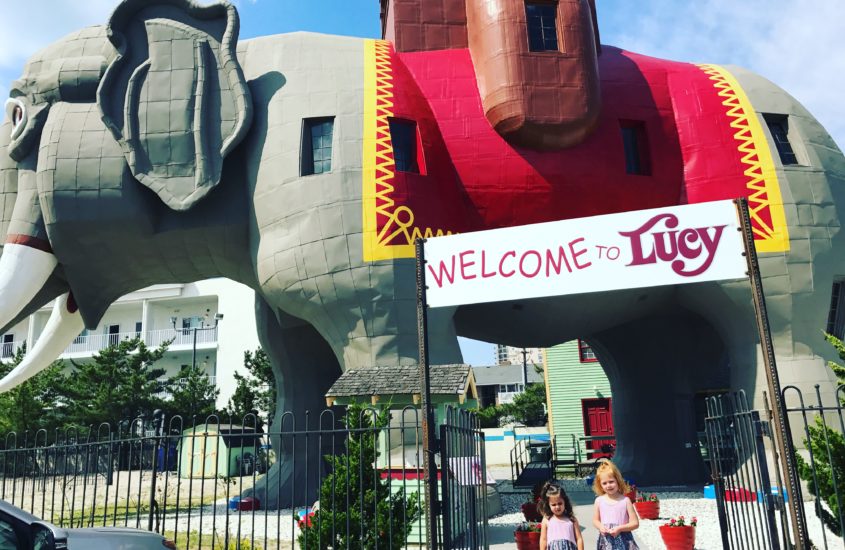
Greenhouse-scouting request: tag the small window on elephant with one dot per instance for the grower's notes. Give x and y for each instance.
(407, 149)
(779, 128)
(635, 143)
(836, 314)
(317, 145)
(542, 28)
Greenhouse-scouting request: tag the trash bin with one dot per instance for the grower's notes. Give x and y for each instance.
(539, 452)
(167, 458)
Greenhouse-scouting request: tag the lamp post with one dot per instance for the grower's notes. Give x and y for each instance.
(217, 318)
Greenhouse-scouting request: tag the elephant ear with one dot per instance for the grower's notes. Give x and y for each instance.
(175, 96)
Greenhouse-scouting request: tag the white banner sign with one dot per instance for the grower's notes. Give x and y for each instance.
(663, 246)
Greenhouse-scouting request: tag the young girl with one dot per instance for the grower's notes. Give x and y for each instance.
(560, 529)
(614, 515)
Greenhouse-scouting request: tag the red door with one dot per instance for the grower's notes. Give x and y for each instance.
(598, 421)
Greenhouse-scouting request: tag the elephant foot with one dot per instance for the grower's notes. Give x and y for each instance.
(282, 487)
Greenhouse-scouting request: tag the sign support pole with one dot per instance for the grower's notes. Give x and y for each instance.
(783, 439)
(429, 437)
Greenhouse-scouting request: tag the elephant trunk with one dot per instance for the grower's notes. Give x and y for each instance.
(64, 325)
(537, 71)
(23, 272)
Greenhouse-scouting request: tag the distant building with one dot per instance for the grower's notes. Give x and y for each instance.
(508, 355)
(221, 311)
(499, 384)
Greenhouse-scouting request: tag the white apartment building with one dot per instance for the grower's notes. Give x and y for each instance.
(508, 355)
(210, 321)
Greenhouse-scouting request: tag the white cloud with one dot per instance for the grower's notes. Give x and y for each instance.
(799, 45)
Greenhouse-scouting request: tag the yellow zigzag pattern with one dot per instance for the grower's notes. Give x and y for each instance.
(763, 187)
(379, 167)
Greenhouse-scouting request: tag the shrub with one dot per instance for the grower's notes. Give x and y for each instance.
(376, 518)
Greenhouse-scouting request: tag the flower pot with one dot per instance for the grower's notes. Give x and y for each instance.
(529, 510)
(648, 509)
(678, 538)
(527, 540)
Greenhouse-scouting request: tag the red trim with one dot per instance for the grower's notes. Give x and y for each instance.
(32, 242)
(581, 345)
(407, 473)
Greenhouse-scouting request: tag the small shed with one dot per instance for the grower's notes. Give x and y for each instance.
(211, 450)
(400, 385)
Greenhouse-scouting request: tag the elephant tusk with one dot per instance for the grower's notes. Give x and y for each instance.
(64, 325)
(23, 271)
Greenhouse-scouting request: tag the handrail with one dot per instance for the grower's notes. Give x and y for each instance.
(517, 457)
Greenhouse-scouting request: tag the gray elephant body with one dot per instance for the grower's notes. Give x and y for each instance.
(322, 307)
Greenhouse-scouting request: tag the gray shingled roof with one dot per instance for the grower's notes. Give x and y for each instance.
(504, 374)
(400, 380)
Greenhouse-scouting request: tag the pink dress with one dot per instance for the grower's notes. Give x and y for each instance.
(560, 534)
(613, 513)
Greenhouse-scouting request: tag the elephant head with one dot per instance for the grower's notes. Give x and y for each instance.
(138, 115)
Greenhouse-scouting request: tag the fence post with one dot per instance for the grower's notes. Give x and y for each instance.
(429, 437)
(158, 425)
(783, 437)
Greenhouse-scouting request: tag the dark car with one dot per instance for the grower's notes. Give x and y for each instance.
(20, 530)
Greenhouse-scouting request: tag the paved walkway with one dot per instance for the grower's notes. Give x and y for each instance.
(501, 536)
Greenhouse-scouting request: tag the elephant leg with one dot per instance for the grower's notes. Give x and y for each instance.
(304, 367)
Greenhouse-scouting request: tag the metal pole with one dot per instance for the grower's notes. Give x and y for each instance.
(429, 438)
(524, 369)
(783, 439)
(194, 352)
(158, 424)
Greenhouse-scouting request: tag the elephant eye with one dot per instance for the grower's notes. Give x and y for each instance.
(16, 112)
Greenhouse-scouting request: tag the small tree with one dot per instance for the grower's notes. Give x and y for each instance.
(192, 394)
(119, 383)
(257, 390)
(528, 406)
(36, 403)
(828, 448)
(376, 518)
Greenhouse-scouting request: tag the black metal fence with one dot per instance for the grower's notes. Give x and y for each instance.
(822, 463)
(318, 481)
(464, 482)
(751, 500)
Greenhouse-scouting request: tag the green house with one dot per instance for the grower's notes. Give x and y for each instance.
(579, 400)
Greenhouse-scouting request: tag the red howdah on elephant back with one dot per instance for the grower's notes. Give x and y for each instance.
(698, 135)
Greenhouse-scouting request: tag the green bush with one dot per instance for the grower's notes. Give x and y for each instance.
(488, 417)
(828, 448)
(376, 518)
(528, 407)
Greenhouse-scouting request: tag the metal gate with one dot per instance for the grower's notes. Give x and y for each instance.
(464, 482)
(751, 510)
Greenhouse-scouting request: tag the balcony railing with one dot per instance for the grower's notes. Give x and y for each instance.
(8, 349)
(182, 338)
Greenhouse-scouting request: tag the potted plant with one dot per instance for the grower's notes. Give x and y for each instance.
(530, 511)
(632, 491)
(527, 535)
(529, 508)
(678, 534)
(648, 507)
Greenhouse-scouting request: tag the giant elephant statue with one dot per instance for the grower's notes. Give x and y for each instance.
(158, 149)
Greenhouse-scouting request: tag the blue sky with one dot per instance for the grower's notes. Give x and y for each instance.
(799, 45)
